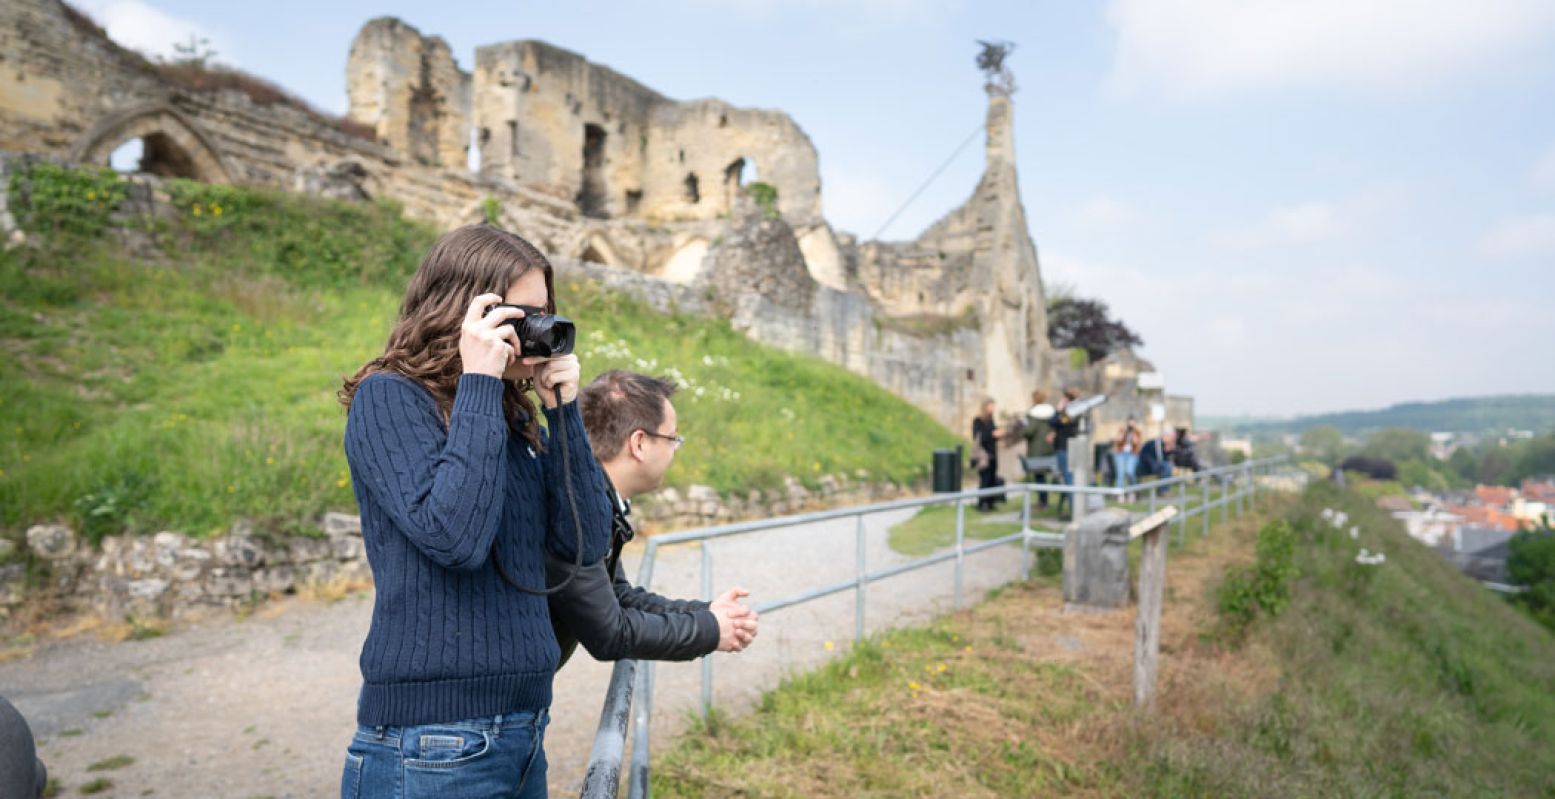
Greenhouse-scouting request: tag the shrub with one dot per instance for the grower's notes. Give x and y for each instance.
(1263, 586)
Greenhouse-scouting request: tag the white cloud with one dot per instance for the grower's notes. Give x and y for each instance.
(1521, 236)
(1544, 170)
(1315, 221)
(1105, 213)
(152, 31)
(1190, 48)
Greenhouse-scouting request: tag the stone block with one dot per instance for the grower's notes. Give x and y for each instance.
(306, 550)
(189, 564)
(1096, 561)
(51, 541)
(338, 524)
(348, 548)
(238, 551)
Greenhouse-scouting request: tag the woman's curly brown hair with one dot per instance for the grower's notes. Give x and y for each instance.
(424, 344)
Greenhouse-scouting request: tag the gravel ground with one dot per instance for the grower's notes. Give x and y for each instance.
(264, 706)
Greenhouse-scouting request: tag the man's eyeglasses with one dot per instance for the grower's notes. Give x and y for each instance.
(679, 440)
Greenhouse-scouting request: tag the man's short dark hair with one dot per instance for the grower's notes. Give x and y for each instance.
(619, 402)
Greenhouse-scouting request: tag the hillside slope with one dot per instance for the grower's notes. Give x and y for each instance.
(1495, 414)
(1395, 679)
(174, 365)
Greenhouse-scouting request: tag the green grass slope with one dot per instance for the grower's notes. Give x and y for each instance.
(1312, 674)
(1398, 679)
(181, 389)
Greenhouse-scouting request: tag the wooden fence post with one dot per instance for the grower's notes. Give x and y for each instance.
(1147, 623)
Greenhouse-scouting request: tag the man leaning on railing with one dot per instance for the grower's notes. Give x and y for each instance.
(631, 425)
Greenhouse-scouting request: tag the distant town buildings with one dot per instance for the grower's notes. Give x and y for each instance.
(1473, 529)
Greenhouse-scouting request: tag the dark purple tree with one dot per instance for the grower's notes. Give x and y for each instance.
(1076, 322)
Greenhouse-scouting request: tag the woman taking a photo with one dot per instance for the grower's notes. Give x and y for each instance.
(461, 493)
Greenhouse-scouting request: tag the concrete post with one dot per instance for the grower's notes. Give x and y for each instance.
(1096, 561)
(1080, 467)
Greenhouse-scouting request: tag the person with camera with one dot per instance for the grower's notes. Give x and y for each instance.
(462, 494)
(633, 431)
(1125, 453)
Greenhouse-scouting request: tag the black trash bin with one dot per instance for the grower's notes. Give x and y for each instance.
(947, 471)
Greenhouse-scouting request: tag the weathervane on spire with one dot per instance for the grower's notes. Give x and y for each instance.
(991, 62)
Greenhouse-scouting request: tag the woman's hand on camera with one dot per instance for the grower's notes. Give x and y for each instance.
(550, 373)
(486, 345)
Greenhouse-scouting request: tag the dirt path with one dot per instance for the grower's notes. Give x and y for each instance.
(264, 706)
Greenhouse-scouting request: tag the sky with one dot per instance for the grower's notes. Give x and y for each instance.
(1300, 205)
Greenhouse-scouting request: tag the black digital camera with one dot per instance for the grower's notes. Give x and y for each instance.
(541, 334)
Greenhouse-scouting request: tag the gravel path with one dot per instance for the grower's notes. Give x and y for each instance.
(264, 706)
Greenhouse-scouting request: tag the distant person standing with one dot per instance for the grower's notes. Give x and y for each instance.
(985, 453)
(1038, 433)
(1064, 428)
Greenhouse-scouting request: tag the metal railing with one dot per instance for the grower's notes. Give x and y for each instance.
(1237, 487)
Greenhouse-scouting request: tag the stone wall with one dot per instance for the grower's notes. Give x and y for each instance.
(170, 575)
(409, 90)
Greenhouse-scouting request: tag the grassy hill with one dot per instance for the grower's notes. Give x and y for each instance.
(176, 370)
(1467, 415)
(1339, 679)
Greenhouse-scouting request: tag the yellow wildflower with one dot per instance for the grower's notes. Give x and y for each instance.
(829, 646)
(231, 489)
(197, 211)
(914, 686)
(215, 209)
(968, 648)
(91, 195)
(269, 461)
(342, 482)
(941, 667)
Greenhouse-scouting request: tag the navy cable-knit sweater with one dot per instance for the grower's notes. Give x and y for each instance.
(450, 640)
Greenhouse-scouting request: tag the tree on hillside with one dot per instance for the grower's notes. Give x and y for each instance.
(1534, 458)
(1398, 444)
(1532, 564)
(1495, 467)
(1076, 322)
(1323, 442)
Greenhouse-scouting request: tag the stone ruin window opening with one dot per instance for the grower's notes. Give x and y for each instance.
(693, 192)
(154, 154)
(737, 175)
(634, 198)
(472, 152)
(591, 256)
(592, 195)
(513, 139)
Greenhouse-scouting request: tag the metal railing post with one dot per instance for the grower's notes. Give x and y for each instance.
(1225, 499)
(960, 546)
(858, 620)
(1025, 544)
(707, 660)
(1182, 505)
(637, 782)
(1204, 507)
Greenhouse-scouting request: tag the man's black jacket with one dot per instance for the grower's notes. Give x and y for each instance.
(614, 620)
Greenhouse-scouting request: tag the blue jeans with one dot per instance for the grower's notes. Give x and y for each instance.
(493, 756)
(1123, 464)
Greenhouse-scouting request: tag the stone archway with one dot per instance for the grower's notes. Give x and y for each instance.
(174, 146)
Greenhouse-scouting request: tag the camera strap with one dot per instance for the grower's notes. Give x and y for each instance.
(577, 524)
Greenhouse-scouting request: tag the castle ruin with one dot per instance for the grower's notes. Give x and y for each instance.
(596, 168)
